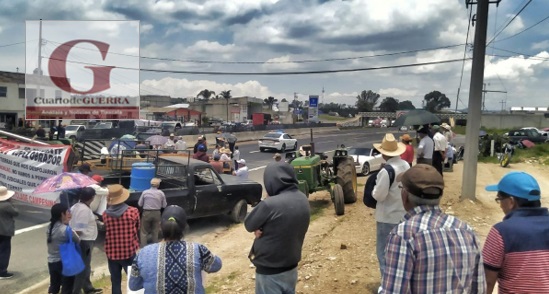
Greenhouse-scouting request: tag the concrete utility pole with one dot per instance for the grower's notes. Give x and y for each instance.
(470, 159)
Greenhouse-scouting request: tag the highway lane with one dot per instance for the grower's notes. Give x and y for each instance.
(29, 252)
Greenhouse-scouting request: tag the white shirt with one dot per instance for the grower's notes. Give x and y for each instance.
(425, 148)
(83, 221)
(389, 208)
(242, 172)
(236, 155)
(99, 203)
(169, 144)
(180, 145)
(225, 157)
(440, 142)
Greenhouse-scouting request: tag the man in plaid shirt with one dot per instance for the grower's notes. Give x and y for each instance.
(121, 239)
(430, 252)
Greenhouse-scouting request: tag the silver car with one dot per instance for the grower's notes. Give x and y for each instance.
(366, 160)
(278, 141)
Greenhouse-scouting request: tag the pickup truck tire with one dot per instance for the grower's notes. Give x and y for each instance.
(238, 214)
(261, 149)
(337, 198)
(346, 177)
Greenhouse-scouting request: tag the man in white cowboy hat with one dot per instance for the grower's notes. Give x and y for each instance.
(121, 235)
(447, 131)
(439, 154)
(242, 171)
(389, 208)
(8, 212)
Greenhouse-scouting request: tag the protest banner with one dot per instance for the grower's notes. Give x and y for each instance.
(23, 166)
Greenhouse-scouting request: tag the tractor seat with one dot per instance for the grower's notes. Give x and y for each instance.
(305, 150)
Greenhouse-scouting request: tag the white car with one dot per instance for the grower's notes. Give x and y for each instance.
(278, 141)
(73, 131)
(366, 160)
(543, 133)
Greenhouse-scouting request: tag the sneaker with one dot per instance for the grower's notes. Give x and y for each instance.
(6, 275)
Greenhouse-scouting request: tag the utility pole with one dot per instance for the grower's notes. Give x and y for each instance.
(484, 91)
(503, 103)
(470, 160)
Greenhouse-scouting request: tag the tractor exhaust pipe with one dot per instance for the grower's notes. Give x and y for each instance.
(312, 143)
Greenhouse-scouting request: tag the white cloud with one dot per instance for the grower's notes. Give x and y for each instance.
(146, 28)
(279, 63)
(543, 45)
(517, 67)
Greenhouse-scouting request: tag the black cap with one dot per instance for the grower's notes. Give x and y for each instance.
(176, 214)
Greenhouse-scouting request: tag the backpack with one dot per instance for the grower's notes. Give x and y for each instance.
(371, 182)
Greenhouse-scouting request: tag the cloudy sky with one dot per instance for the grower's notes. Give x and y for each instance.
(181, 38)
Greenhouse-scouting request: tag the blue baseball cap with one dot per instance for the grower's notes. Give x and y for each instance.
(518, 184)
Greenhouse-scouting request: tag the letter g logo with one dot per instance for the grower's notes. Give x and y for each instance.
(57, 68)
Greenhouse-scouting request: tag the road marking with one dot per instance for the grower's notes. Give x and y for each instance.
(21, 231)
(257, 151)
(257, 168)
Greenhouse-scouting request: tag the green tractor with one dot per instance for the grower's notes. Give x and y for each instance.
(316, 173)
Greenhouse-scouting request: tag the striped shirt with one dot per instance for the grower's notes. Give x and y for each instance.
(431, 252)
(518, 249)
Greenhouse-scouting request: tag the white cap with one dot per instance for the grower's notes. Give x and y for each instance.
(241, 161)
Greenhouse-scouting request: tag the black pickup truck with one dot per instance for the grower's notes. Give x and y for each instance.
(200, 190)
(527, 134)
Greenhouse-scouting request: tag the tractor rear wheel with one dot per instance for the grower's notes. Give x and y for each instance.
(337, 197)
(346, 177)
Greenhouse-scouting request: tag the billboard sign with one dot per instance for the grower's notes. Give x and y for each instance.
(313, 108)
(87, 70)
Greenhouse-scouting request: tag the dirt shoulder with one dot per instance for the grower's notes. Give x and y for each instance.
(339, 252)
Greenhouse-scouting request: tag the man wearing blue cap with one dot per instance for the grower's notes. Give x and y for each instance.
(516, 251)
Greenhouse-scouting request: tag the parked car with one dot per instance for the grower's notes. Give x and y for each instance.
(199, 189)
(542, 132)
(279, 141)
(366, 160)
(74, 131)
(527, 134)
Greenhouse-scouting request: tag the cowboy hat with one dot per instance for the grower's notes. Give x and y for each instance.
(225, 150)
(5, 194)
(117, 194)
(390, 146)
(406, 138)
(446, 126)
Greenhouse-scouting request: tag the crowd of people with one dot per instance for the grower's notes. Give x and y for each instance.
(420, 249)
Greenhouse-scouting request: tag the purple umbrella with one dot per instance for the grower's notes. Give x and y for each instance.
(157, 140)
(64, 181)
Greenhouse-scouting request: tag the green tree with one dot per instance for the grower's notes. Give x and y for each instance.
(226, 95)
(406, 105)
(435, 101)
(205, 94)
(366, 100)
(389, 104)
(270, 101)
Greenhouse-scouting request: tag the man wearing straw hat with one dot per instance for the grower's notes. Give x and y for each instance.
(121, 237)
(389, 208)
(8, 212)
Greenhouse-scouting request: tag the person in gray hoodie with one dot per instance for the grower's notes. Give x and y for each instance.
(279, 224)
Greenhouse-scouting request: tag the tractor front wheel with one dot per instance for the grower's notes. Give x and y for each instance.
(346, 177)
(337, 197)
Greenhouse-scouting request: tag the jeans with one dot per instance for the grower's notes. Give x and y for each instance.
(5, 252)
(57, 280)
(115, 269)
(382, 233)
(82, 280)
(282, 283)
(150, 225)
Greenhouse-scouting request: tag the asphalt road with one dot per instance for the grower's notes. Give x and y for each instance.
(29, 252)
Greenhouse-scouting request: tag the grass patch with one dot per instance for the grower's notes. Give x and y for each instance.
(360, 185)
(488, 159)
(539, 152)
(317, 206)
(214, 285)
(332, 118)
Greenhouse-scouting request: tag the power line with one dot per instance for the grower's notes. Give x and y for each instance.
(514, 35)
(275, 73)
(274, 62)
(508, 23)
(528, 55)
(12, 44)
(464, 54)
